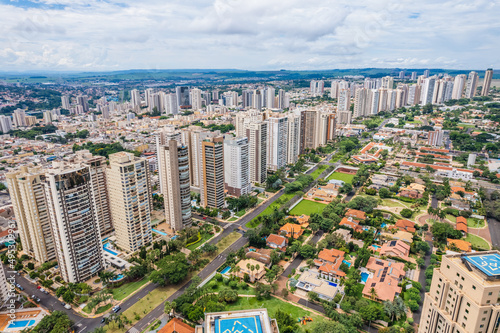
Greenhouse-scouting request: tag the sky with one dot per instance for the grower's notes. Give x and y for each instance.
(108, 35)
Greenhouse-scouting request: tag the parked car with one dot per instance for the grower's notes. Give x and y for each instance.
(67, 306)
(38, 287)
(116, 309)
(63, 304)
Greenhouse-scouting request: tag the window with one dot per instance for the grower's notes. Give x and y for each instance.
(466, 311)
(490, 293)
(474, 287)
(468, 304)
(448, 266)
(488, 302)
(483, 319)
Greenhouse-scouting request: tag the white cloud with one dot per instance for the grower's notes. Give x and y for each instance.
(257, 34)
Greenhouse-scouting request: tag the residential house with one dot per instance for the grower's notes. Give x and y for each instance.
(328, 262)
(356, 214)
(290, 230)
(261, 255)
(412, 194)
(460, 244)
(175, 325)
(405, 236)
(404, 225)
(310, 281)
(462, 225)
(303, 219)
(382, 285)
(345, 234)
(351, 223)
(396, 248)
(459, 204)
(254, 275)
(277, 242)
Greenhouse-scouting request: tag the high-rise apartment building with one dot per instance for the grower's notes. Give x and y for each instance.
(277, 142)
(488, 75)
(361, 108)
(74, 224)
(236, 166)
(471, 86)
(257, 134)
(82, 101)
(130, 198)
(270, 95)
(65, 102)
(464, 296)
(344, 100)
(283, 101)
(212, 189)
(331, 126)
(317, 87)
(135, 99)
(387, 82)
(344, 117)
(19, 117)
(175, 178)
(435, 138)
(99, 184)
(293, 149)
(182, 94)
(427, 90)
(195, 97)
(458, 86)
(247, 98)
(4, 288)
(5, 124)
(309, 122)
(26, 188)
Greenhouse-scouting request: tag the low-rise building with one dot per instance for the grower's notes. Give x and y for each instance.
(277, 242)
(310, 281)
(396, 248)
(253, 320)
(246, 268)
(290, 230)
(328, 263)
(383, 284)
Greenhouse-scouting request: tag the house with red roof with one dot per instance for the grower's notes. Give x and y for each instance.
(277, 242)
(290, 230)
(382, 285)
(328, 263)
(462, 225)
(356, 214)
(350, 223)
(396, 248)
(404, 225)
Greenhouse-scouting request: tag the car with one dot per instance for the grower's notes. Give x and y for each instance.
(67, 306)
(63, 304)
(38, 287)
(116, 309)
(33, 297)
(103, 320)
(204, 217)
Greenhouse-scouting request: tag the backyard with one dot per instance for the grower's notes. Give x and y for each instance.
(345, 177)
(307, 207)
(471, 222)
(477, 241)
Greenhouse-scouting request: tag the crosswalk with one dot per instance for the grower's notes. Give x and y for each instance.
(133, 330)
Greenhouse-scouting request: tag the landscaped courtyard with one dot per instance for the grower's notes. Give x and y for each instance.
(307, 207)
(345, 177)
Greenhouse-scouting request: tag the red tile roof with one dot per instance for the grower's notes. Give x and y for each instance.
(357, 214)
(178, 326)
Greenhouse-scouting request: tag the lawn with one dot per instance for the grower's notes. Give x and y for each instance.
(477, 241)
(277, 204)
(204, 237)
(466, 125)
(103, 308)
(307, 207)
(345, 177)
(232, 219)
(241, 291)
(240, 213)
(126, 289)
(392, 203)
(225, 242)
(272, 305)
(336, 157)
(318, 171)
(471, 222)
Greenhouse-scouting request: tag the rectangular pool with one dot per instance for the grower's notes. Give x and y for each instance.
(225, 270)
(105, 248)
(21, 324)
(160, 232)
(364, 277)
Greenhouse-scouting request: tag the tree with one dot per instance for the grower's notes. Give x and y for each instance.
(307, 251)
(373, 293)
(366, 204)
(262, 291)
(172, 269)
(384, 193)
(346, 188)
(286, 323)
(407, 213)
(57, 322)
(312, 296)
(443, 231)
(68, 296)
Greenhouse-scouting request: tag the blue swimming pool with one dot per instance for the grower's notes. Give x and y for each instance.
(383, 225)
(118, 277)
(332, 284)
(160, 232)
(347, 263)
(376, 246)
(225, 270)
(364, 277)
(21, 324)
(105, 248)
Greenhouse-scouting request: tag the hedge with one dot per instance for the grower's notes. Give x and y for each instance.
(196, 241)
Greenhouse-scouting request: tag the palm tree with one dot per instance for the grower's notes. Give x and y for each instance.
(106, 276)
(237, 270)
(252, 268)
(257, 267)
(373, 293)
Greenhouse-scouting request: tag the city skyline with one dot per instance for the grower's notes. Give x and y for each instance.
(103, 36)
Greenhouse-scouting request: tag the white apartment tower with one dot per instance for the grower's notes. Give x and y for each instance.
(278, 142)
(26, 188)
(195, 95)
(65, 102)
(344, 100)
(293, 142)
(130, 198)
(256, 132)
(488, 75)
(470, 89)
(458, 86)
(236, 166)
(175, 178)
(74, 225)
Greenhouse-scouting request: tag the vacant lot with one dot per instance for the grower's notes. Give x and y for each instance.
(341, 176)
(307, 207)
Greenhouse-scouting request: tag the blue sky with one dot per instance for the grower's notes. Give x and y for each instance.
(257, 34)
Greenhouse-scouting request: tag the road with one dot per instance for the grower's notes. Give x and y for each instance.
(296, 262)
(434, 202)
(421, 280)
(494, 227)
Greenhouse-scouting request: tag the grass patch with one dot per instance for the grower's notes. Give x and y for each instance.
(318, 171)
(126, 289)
(232, 219)
(477, 241)
(204, 237)
(225, 242)
(272, 305)
(240, 213)
(471, 222)
(466, 125)
(451, 218)
(277, 204)
(307, 207)
(103, 308)
(391, 203)
(347, 178)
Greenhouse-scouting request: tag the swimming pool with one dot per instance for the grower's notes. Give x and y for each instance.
(118, 277)
(160, 232)
(383, 225)
(375, 246)
(225, 270)
(347, 263)
(21, 324)
(332, 284)
(364, 277)
(105, 248)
